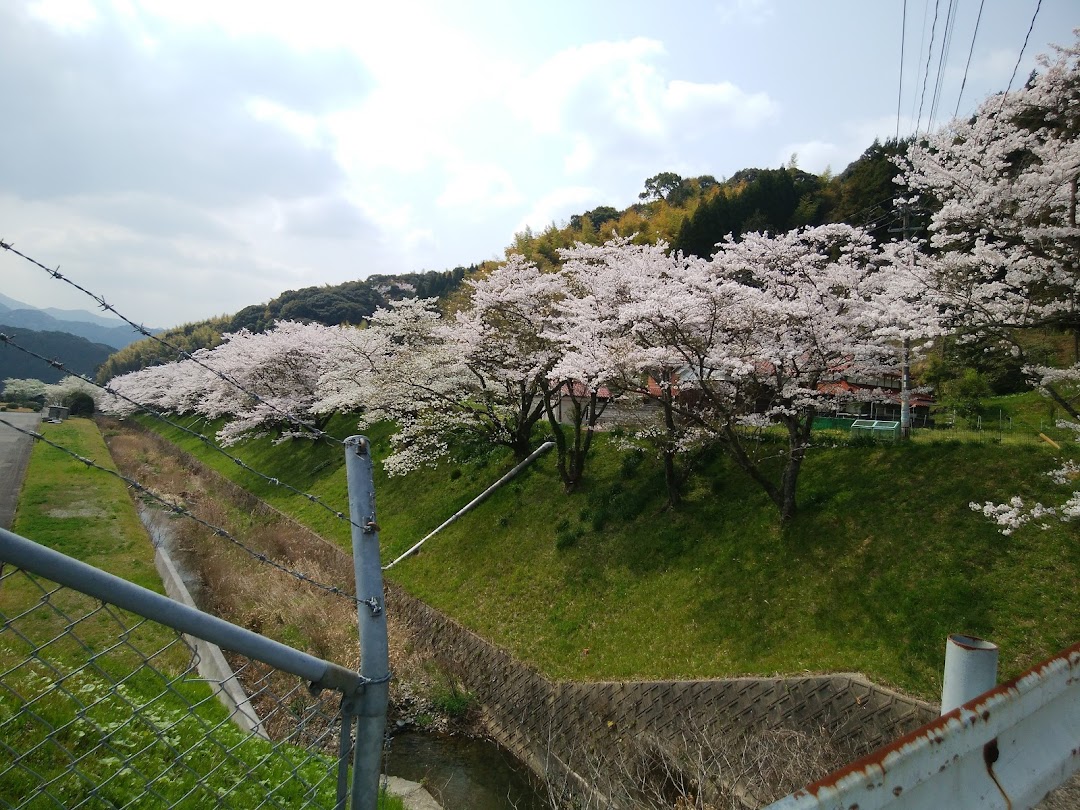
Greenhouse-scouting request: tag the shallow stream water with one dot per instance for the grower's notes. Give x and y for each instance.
(462, 773)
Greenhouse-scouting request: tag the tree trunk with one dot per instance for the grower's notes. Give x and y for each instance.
(571, 459)
(1064, 403)
(671, 474)
(671, 478)
(799, 429)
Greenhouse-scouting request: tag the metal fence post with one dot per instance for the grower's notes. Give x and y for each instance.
(371, 617)
(970, 670)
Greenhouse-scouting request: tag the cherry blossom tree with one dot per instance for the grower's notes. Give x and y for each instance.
(278, 373)
(728, 348)
(23, 389)
(769, 325)
(262, 382)
(401, 369)
(482, 375)
(1005, 240)
(1005, 183)
(593, 342)
(62, 392)
(504, 344)
(608, 344)
(169, 388)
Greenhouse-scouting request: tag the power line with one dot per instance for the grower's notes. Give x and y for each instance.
(900, 84)
(926, 70)
(1016, 67)
(922, 42)
(971, 50)
(943, 58)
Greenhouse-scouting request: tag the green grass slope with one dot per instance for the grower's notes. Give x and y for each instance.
(114, 732)
(884, 560)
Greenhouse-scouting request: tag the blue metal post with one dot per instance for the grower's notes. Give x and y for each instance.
(371, 617)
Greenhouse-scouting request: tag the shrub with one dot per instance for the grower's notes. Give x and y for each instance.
(452, 701)
(80, 404)
(565, 535)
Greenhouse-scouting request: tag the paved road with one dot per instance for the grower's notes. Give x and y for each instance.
(14, 453)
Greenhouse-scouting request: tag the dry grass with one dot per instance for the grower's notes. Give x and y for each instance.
(706, 771)
(227, 581)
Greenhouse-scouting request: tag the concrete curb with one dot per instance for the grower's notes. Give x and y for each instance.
(13, 464)
(414, 794)
(211, 662)
(214, 668)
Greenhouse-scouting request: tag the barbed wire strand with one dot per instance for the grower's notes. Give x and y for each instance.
(9, 340)
(101, 302)
(182, 510)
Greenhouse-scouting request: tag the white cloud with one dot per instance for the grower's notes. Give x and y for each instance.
(66, 15)
(581, 157)
(558, 205)
(480, 186)
(850, 140)
(615, 93)
(748, 110)
(615, 73)
(748, 12)
(307, 128)
(815, 156)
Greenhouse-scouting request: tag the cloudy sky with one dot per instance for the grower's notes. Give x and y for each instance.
(186, 158)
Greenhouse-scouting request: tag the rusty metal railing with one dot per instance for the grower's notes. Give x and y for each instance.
(1007, 748)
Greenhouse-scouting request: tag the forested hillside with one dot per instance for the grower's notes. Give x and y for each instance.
(152, 351)
(691, 214)
(694, 214)
(77, 353)
(352, 302)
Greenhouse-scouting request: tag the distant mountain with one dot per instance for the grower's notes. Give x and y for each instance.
(95, 328)
(76, 353)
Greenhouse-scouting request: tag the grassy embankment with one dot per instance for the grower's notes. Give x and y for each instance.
(87, 514)
(884, 560)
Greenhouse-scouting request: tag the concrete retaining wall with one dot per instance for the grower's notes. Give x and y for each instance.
(563, 730)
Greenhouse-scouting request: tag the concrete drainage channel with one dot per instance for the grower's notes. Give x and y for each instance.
(215, 668)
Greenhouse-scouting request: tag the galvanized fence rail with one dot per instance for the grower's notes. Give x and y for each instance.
(101, 703)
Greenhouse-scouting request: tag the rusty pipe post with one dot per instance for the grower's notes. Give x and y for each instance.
(970, 670)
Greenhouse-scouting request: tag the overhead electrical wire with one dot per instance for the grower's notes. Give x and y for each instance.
(943, 58)
(971, 50)
(922, 42)
(900, 84)
(1021, 56)
(926, 70)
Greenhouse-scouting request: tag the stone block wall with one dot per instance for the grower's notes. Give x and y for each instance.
(563, 730)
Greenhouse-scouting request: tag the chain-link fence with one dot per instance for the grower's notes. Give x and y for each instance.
(102, 703)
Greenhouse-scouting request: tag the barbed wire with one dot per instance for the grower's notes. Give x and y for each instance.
(179, 509)
(9, 340)
(181, 352)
